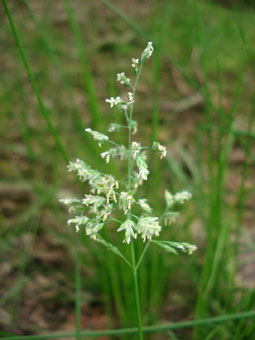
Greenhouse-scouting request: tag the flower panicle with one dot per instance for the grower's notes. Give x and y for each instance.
(148, 227)
(126, 200)
(179, 197)
(121, 77)
(147, 53)
(105, 196)
(119, 151)
(78, 221)
(142, 167)
(130, 230)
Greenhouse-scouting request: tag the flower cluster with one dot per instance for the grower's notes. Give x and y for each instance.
(126, 199)
(130, 98)
(159, 148)
(130, 230)
(135, 149)
(147, 226)
(179, 197)
(107, 194)
(114, 127)
(135, 63)
(121, 77)
(114, 101)
(147, 53)
(119, 151)
(78, 221)
(142, 166)
(98, 136)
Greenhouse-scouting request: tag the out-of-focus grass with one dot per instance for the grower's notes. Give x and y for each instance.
(214, 46)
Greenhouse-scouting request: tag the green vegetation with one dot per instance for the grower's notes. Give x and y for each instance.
(202, 108)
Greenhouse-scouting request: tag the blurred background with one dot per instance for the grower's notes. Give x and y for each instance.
(196, 96)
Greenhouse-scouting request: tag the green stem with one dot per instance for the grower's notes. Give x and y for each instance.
(143, 253)
(129, 119)
(147, 329)
(137, 298)
(77, 290)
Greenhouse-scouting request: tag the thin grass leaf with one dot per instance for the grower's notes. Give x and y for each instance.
(173, 247)
(147, 329)
(112, 248)
(166, 247)
(37, 93)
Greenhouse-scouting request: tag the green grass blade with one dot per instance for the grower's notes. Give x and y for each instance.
(42, 107)
(57, 64)
(147, 329)
(77, 288)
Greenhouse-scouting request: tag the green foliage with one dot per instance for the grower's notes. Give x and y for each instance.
(215, 51)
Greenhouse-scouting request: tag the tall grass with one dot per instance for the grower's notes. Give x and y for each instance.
(205, 171)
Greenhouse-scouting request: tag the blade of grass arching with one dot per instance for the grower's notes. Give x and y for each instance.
(57, 64)
(78, 124)
(41, 105)
(92, 100)
(147, 329)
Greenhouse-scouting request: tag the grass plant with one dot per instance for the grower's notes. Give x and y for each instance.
(222, 74)
(104, 196)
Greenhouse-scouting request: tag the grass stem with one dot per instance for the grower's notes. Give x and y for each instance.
(137, 298)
